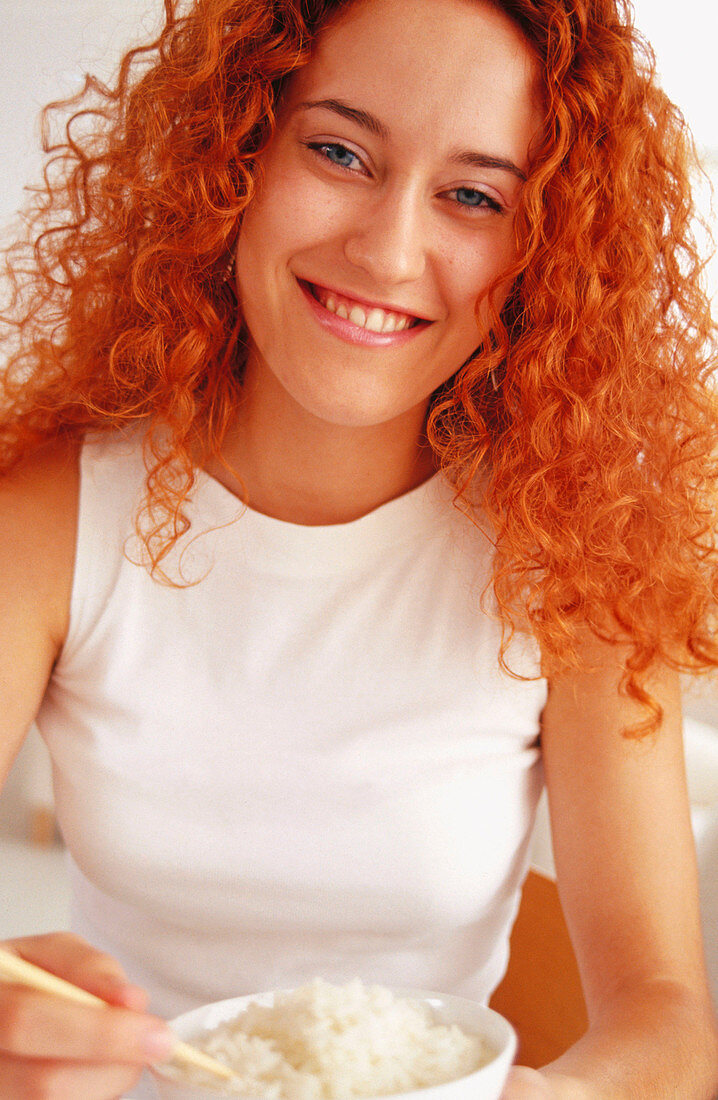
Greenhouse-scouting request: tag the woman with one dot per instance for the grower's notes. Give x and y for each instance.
(304, 256)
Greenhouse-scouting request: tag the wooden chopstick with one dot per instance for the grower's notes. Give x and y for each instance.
(17, 970)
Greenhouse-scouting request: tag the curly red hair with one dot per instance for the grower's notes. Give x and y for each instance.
(590, 401)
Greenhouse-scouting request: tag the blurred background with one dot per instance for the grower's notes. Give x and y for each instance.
(47, 47)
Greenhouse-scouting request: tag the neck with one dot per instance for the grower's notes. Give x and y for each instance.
(295, 467)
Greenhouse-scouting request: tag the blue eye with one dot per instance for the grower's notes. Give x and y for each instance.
(477, 199)
(334, 153)
(468, 198)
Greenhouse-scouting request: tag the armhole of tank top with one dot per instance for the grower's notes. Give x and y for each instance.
(99, 548)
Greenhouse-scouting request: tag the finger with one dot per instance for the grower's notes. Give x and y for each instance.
(38, 1025)
(65, 1081)
(527, 1084)
(74, 959)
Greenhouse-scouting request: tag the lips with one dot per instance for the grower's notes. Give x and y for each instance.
(370, 316)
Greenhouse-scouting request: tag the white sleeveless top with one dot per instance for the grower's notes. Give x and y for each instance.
(308, 763)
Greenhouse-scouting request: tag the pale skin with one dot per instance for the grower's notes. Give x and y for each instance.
(331, 430)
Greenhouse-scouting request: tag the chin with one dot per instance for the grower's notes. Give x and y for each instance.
(352, 416)
(358, 406)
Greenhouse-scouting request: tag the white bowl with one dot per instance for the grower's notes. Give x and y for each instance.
(486, 1083)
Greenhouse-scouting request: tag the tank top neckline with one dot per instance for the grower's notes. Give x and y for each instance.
(410, 498)
(278, 545)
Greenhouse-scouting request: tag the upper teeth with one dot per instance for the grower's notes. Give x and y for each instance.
(375, 320)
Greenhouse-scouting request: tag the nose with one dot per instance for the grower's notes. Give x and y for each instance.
(389, 241)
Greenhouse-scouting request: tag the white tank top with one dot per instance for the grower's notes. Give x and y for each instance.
(308, 763)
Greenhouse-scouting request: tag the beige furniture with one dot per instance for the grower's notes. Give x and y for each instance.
(541, 991)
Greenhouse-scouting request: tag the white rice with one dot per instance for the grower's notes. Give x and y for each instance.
(328, 1042)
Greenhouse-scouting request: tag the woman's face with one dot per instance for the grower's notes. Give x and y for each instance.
(389, 195)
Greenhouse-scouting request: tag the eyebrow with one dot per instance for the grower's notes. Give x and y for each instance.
(367, 121)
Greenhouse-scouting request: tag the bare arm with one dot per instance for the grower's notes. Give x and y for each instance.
(627, 878)
(38, 517)
(48, 1047)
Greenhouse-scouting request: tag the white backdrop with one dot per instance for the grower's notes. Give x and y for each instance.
(684, 35)
(46, 46)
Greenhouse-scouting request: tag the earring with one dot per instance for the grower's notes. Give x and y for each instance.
(228, 268)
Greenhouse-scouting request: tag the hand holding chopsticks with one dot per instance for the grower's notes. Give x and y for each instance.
(20, 972)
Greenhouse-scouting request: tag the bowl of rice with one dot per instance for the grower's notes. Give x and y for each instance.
(344, 1042)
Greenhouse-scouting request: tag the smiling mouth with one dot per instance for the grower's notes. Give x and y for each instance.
(371, 318)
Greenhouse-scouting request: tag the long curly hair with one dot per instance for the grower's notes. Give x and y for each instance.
(590, 401)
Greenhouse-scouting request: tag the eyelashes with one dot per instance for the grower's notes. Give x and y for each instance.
(330, 146)
(479, 200)
(486, 201)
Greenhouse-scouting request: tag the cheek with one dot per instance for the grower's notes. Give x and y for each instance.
(259, 236)
(473, 270)
(262, 247)
(291, 212)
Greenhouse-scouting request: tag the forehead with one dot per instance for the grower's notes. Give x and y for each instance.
(431, 69)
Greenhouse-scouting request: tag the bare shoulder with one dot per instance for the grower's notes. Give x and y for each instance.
(38, 521)
(593, 694)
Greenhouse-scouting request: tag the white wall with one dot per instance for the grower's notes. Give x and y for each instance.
(46, 47)
(685, 36)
